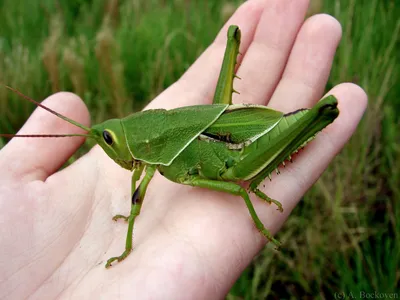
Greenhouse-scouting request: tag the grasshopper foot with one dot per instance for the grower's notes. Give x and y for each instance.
(118, 258)
(268, 199)
(269, 236)
(117, 217)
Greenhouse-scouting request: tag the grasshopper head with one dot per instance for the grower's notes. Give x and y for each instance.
(111, 137)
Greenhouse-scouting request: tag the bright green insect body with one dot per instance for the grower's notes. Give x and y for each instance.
(210, 146)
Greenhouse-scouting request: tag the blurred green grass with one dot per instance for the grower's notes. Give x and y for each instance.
(118, 55)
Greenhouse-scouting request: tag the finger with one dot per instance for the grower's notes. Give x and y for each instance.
(309, 64)
(307, 167)
(267, 55)
(198, 84)
(37, 158)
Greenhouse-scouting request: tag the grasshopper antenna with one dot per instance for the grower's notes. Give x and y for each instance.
(8, 135)
(49, 110)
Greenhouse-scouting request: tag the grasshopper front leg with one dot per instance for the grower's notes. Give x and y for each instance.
(135, 178)
(137, 200)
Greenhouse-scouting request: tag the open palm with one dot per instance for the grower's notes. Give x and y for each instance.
(189, 243)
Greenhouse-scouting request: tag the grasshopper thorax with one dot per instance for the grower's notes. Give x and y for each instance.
(111, 137)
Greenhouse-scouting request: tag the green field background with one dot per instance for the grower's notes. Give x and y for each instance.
(118, 55)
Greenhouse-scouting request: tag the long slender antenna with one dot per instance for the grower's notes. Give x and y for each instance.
(48, 109)
(8, 135)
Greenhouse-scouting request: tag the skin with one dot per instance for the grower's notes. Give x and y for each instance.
(190, 243)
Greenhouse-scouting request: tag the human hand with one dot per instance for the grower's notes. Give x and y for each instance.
(189, 243)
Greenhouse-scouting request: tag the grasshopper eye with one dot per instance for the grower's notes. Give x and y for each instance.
(107, 137)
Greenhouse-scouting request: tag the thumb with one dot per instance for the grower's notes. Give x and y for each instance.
(38, 158)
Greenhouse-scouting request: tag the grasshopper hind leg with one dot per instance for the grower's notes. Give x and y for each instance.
(253, 187)
(234, 189)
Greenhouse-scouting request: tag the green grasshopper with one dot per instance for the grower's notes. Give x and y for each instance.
(209, 146)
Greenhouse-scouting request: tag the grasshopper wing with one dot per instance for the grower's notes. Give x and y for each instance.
(243, 123)
(158, 136)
